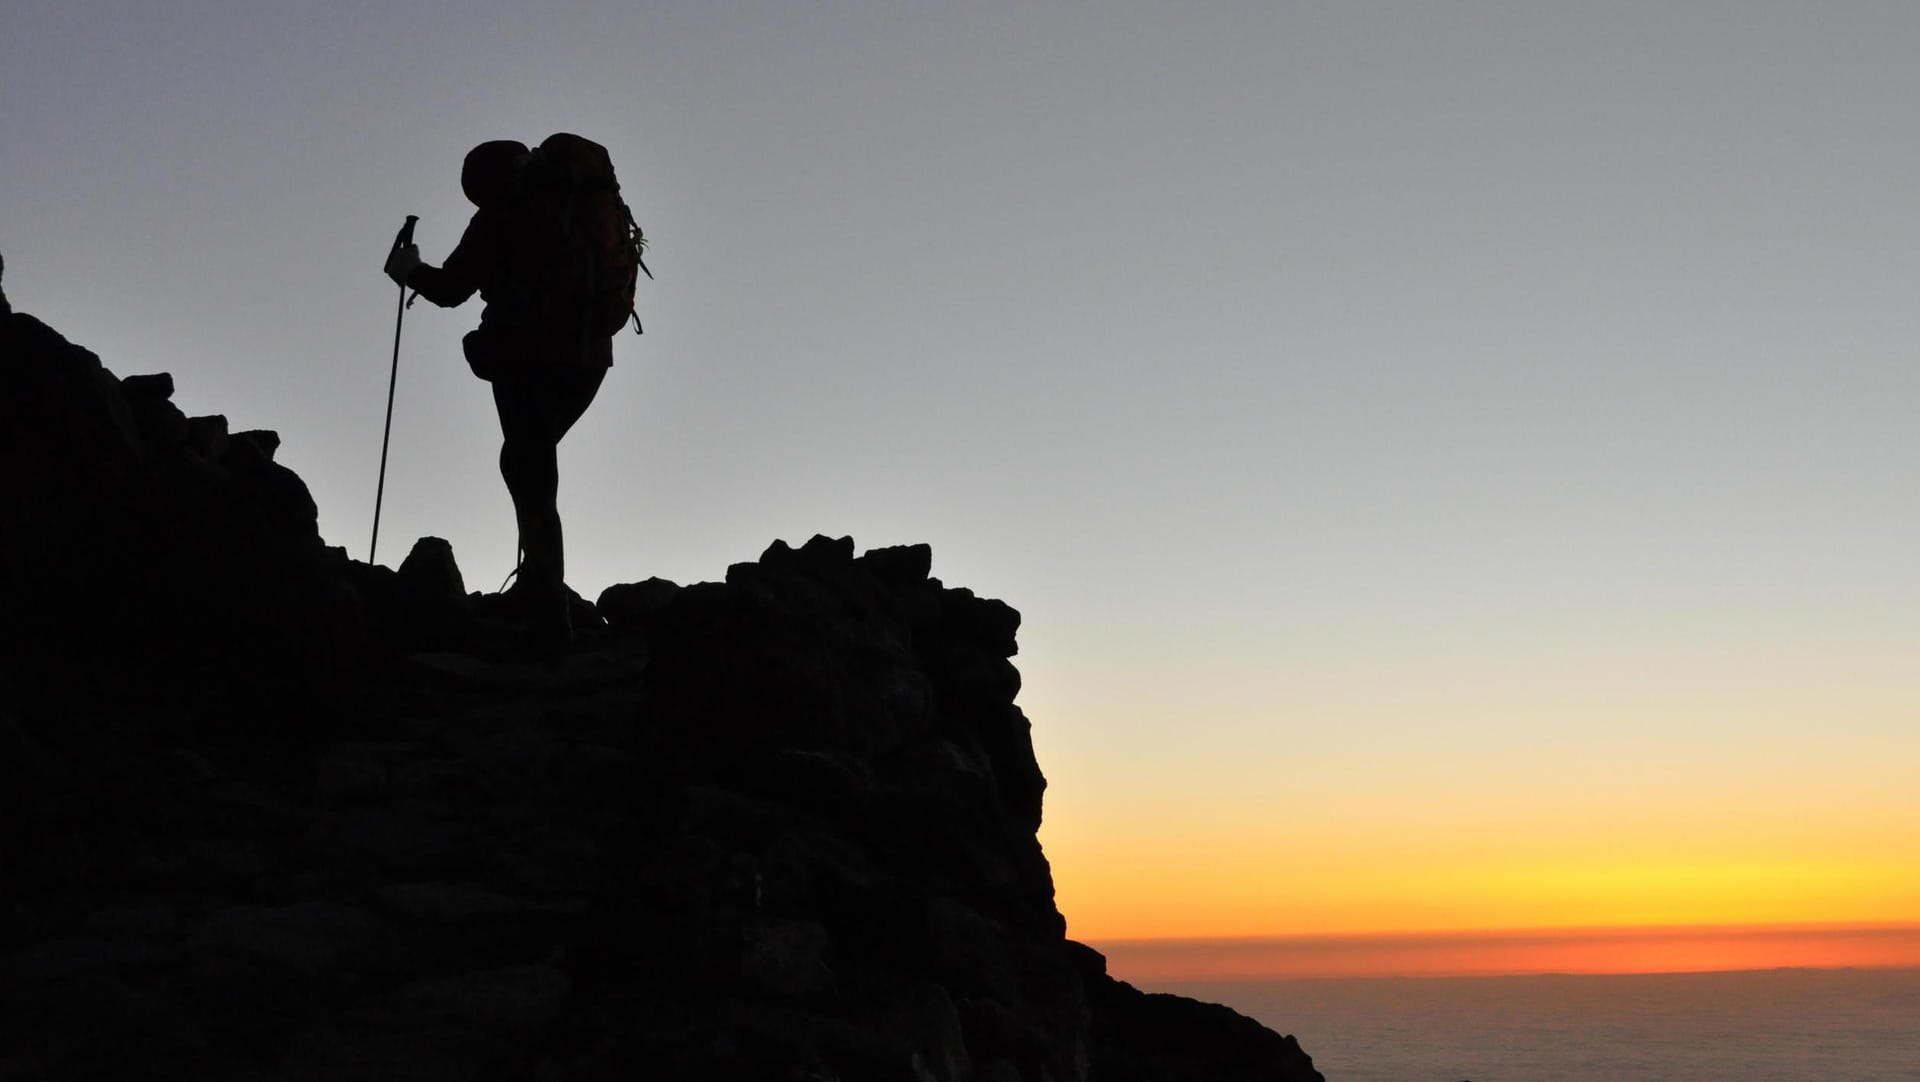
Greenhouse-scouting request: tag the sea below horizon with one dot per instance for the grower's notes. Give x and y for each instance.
(1772, 1025)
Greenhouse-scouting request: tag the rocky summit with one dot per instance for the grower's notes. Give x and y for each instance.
(268, 813)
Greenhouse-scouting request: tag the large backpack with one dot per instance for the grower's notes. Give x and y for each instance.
(591, 258)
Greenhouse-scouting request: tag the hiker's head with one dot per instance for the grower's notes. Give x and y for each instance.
(490, 169)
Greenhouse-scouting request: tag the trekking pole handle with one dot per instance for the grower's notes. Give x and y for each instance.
(405, 236)
(401, 240)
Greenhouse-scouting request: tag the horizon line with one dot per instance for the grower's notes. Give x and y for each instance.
(1525, 931)
(1702, 948)
(1850, 967)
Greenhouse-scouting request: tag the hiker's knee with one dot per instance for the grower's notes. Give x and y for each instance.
(528, 465)
(509, 462)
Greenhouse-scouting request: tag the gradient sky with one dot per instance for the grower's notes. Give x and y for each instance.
(1455, 460)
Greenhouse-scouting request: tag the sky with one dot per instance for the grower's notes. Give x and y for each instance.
(1453, 459)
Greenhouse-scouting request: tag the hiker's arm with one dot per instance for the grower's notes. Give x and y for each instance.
(444, 286)
(452, 282)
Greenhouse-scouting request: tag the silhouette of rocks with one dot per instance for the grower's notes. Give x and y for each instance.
(629, 607)
(270, 813)
(151, 552)
(431, 574)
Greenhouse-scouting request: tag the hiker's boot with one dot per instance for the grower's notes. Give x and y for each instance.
(543, 604)
(539, 610)
(551, 620)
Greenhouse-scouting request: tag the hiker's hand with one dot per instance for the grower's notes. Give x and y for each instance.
(401, 261)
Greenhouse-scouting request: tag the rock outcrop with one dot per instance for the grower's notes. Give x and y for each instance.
(269, 813)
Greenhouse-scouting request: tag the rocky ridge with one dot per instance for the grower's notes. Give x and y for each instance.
(270, 813)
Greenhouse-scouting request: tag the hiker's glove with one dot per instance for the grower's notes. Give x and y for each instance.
(401, 261)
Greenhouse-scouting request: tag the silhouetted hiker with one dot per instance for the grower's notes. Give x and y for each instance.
(553, 252)
(6, 309)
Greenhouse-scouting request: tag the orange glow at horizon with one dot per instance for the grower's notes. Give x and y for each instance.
(1596, 950)
(1217, 889)
(1642, 789)
(1304, 861)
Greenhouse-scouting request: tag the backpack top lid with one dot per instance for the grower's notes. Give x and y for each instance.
(488, 175)
(577, 158)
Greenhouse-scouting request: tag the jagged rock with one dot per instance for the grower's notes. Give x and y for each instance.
(818, 554)
(444, 900)
(207, 436)
(431, 573)
(899, 565)
(1155, 1037)
(786, 959)
(628, 606)
(310, 935)
(267, 812)
(265, 441)
(148, 389)
(520, 997)
(982, 621)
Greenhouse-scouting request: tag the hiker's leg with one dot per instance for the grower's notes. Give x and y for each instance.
(564, 401)
(530, 467)
(532, 480)
(534, 414)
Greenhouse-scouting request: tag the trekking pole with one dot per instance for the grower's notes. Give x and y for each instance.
(400, 240)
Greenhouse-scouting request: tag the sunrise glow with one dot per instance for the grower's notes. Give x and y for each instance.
(1593, 950)
(1659, 848)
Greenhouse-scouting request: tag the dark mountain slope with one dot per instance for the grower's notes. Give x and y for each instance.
(269, 813)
